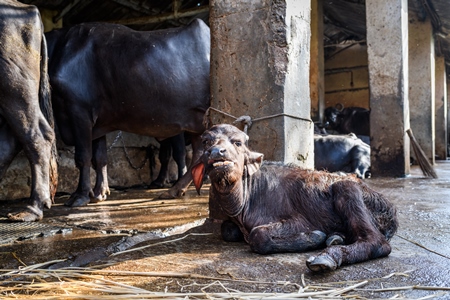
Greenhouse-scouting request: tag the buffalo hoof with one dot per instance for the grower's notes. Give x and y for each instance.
(99, 197)
(321, 263)
(156, 185)
(29, 214)
(77, 201)
(334, 240)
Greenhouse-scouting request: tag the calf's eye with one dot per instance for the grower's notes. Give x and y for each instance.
(238, 144)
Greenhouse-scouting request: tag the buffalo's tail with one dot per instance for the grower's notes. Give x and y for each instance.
(45, 104)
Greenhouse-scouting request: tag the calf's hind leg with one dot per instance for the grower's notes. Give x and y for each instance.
(364, 240)
(284, 236)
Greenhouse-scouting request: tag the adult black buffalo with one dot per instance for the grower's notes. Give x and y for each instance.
(26, 117)
(108, 77)
(348, 120)
(283, 208)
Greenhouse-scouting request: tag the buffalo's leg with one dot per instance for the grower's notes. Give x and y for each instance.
(285, 236)
(100, 164)
(9, 147)
(83, 157)
(165, 152)
(179, 153)
(35, 136)
(180, 188)
(172, 147)
(365, 241)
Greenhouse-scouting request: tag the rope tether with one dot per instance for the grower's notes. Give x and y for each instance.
(247, 121)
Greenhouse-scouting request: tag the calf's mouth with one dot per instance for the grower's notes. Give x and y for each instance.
(221, 163)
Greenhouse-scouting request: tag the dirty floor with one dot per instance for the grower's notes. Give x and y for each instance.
(136, 246)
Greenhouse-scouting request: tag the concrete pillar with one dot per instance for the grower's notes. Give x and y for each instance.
(387, 49)
(448, 118)
(422, 84)
(317, 77)
(441, 109)
(260, 54)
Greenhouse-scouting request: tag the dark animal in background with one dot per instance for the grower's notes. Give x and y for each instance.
(348, 120)
(283, 208)
(26, 116)
(108, 77)
(345, 153)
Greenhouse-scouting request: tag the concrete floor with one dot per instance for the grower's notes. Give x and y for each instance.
(198, 264)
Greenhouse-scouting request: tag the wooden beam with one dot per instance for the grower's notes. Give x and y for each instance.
(163, 17)
(135, 6)
(65, 10)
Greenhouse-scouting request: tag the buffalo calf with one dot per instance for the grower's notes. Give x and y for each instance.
(283, 208)
(346, 153)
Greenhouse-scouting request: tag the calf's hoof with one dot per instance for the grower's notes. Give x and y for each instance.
(173, 193)
(29, 214)
(321, 263)
(231, 232)
(167, 195)
(334, 240)
(317, 238)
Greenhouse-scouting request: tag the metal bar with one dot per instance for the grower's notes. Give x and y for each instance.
(344, 70)
(162, 17)
(347, 90)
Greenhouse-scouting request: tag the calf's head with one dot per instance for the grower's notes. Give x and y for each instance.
(226, 158)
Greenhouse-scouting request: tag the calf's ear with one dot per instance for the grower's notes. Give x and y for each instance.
(254, 161)
(198, 172)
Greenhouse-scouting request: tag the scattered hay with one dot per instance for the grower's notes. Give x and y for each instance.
(32, 282)
(36, 282)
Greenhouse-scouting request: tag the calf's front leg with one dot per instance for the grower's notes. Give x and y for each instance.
(284, 236)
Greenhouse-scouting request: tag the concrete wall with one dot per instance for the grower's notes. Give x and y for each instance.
(47, 20)
(17, 180)
(346, 77)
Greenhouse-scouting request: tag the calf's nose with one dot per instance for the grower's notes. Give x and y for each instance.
(217, 153)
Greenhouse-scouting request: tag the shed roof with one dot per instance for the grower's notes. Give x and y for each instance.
(344, 20)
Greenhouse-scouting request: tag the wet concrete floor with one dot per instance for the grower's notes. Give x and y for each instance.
(198, 261)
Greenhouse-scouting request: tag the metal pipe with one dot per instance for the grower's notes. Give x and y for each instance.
(162, 17)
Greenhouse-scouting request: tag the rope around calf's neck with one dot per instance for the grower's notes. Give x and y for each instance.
(246, 120)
